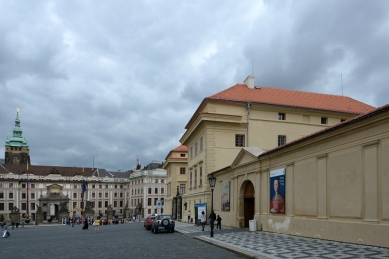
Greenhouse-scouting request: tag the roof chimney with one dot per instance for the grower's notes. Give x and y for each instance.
(249, 81)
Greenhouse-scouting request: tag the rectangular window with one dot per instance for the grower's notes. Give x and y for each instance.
(106, 195)
(1, 195)
(23, 195)
(75, 186)
(182, 188)
(100, 186)
(190, 182)
(32, 185)
(182, 155)
(24, 206)
(1, 206)
(121, 203)
(93, 204)
(32, 206)
(74, 204)
(116, 194)
(196, 149)
(106, 186)
(106, 204)
(155, 201)
(201, 144)
(32, 195)
(100, 204)
(281, 116)
(11, 185)
(182, 170)
(121, 195)
(93, 186)
(93, 195)
(75, 195)
(149, 201)
(149, 191)
(11, 195)
(201, 176)
(115, 203)
(195, 179)
(23, 185)
(100, 195)
(162, 191)
(239, 140)
(10, 206)
(149, 211)
(156, 191)
(323, 120)
(281, 140)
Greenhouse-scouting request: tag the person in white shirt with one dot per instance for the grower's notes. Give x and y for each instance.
(203, 219)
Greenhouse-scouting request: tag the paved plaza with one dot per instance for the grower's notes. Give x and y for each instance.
(272, 245)
(131, 240)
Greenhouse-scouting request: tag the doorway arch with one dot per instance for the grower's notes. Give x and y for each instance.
(247, 202)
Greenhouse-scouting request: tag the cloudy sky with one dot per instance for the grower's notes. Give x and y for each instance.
(117, 80)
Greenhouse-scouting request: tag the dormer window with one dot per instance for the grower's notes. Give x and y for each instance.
(281, 116)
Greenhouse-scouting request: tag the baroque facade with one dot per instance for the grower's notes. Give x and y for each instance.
(246, 115)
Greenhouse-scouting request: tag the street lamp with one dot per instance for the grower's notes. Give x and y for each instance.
(212, 182)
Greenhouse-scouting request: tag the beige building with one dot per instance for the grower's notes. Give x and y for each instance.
(245, 115)
(147, 187)
(176, 167)
(332, 184)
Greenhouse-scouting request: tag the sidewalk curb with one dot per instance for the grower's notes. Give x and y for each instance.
(232, 249)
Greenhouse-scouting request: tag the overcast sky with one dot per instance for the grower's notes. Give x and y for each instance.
(117, 80)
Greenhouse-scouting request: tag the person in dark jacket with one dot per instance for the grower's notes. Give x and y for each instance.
(212, 219)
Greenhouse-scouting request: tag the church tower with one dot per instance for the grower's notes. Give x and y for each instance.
(16, 148)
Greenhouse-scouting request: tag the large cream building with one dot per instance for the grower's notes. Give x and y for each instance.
(245, 115)
(332, 184)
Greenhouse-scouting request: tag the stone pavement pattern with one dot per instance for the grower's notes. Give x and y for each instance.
(273, 245)
(128, 240)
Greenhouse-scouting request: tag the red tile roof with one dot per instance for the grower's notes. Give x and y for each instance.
(292, 98)
(181, 148)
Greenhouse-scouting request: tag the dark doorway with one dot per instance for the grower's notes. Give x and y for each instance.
(249, 201)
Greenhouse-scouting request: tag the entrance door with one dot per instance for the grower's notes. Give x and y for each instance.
(248, 211)
(248, 203)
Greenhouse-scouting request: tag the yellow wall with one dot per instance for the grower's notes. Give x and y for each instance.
(337, 186)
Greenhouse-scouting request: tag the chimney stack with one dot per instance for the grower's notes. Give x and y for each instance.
(249, 81)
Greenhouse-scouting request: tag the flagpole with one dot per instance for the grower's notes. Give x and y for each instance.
(82, 193)
(28, 205)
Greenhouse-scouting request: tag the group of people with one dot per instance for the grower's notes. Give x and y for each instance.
(212, 219)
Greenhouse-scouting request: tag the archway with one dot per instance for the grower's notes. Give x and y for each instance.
(247, 202)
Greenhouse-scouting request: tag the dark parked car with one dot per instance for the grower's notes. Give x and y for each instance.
(163, 223)
(148, 222)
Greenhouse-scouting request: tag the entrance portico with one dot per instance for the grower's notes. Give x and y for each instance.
(52, 202)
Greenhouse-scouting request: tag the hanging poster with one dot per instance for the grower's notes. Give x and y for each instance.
(225, 191)
(277, 191)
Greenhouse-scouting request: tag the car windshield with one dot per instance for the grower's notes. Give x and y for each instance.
(165, 217)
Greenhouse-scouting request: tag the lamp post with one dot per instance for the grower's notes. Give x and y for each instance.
(212, 182)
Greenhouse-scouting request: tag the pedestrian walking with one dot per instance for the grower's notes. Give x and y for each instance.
(203, 219)
(188, 216)
(219, 222)
(85, 227)
(5, 230)
(22, 224)
(13, 225)
(96, 223)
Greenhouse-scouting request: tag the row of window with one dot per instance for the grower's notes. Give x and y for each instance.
(11, 205)
(149, 201)
(12, 185)
(323, 120)
(200, 183)
(196, 148)
(11, 195)
(148, 181)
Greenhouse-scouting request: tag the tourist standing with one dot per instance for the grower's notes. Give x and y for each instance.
(97, 225)
(188, 216)
(219, 222)
(202, 219)
(13, 225)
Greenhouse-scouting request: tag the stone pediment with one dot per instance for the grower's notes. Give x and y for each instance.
(247, 155)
